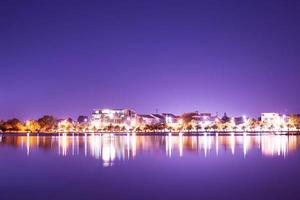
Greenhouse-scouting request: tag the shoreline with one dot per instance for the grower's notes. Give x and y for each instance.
(183, 133)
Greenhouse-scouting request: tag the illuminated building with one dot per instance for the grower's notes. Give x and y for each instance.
(146, 120)
(159, 119)
(273, 120)
(102, 118)
(204, 119)
(170, 118)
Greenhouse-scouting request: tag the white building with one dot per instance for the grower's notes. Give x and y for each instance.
(116, 117)
(170, 118)
(272, 118)
(204, 119)
(146, 120)
(159, 119)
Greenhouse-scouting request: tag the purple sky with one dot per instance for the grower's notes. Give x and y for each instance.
(66, 58)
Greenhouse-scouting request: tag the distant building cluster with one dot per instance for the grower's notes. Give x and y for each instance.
(124, 120)
(129, 120)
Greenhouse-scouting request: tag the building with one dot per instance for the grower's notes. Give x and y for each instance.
(240, 120)
(204, 120)
(272, 118)
(274, 121)
(158, 119)
(102, 118)
(170, 118)
(146, 120)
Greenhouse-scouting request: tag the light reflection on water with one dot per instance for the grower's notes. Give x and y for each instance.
(110, 148)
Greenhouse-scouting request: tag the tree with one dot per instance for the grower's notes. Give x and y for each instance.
(234, 128)
(82, 119)
(189, 128)
(215, 127)
(123, 128)
(109, 128)
(294, 120)
(225, 127)
(271, 128)
(225, 118)
(1, 125)
(262, 126)
(253, 123)
(47, 123)
(198, 127)
(32, 126)
(170, 128)
(244, 128)
(138, 129)
(148, 127)
(117, 128)
(70, 120)
(188, 117)
(12, 125)
(281, 127)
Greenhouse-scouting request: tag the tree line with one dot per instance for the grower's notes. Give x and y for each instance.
(45, 123)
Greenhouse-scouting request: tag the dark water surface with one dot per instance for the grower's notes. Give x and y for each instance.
(149, 167)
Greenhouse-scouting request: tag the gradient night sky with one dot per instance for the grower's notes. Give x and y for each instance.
(66, 58)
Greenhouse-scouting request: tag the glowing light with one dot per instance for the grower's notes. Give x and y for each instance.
(169, 144)
(108, 153)
(180, 144)
(245, 144)
(85, 144)
(27, 144)
(133, 144)
(232, 141)
(217, 144)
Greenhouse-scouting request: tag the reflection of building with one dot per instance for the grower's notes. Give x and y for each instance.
(102, 118)
(278, 145)
(111, 148)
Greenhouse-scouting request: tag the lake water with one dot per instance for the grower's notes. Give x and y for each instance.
(149, 167)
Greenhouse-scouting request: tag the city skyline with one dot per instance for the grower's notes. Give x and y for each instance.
(154, 111)
(149, 99)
